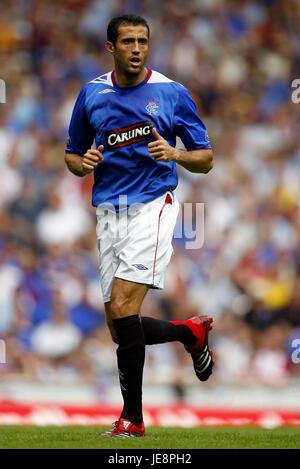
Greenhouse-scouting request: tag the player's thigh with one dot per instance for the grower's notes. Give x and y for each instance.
(126, 298)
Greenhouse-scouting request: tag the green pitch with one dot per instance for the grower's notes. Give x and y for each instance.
(209, 437)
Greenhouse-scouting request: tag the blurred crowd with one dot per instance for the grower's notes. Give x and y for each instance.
(238, 58)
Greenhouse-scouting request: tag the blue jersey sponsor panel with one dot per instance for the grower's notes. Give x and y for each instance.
(122, 119)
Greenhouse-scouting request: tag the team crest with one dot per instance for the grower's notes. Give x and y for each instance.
(152, 106)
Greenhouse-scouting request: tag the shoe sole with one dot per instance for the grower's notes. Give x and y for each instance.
(109, 433)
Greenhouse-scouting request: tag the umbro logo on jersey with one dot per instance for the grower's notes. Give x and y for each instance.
(140, 266)
(128, 135)
(106, 90)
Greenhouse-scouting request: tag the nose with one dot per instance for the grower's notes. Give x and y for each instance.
(136, 48)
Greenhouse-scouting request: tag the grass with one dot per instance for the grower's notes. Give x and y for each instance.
(208, 437)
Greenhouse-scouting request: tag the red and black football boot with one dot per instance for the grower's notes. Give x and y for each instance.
(200, 352)
(123, 428)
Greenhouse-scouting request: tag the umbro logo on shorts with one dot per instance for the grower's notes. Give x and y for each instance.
(140, 266)
(128, 135)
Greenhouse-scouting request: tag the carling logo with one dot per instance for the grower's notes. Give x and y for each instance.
(128, 135)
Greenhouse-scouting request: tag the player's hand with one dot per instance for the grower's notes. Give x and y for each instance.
(160, 150)
(92, 158)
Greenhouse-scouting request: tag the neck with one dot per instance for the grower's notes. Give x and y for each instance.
(127, 80)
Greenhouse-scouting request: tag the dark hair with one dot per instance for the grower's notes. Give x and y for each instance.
(113, 26)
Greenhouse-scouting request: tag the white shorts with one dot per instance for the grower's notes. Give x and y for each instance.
(136, 244)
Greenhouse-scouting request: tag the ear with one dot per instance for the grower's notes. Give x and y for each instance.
(110, 47)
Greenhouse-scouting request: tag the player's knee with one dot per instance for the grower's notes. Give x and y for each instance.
(119, 307)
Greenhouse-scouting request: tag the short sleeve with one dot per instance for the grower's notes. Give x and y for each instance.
(188, 125)
(81, 133)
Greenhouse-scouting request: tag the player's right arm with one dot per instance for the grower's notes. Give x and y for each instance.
(83, 165)
(80, 158)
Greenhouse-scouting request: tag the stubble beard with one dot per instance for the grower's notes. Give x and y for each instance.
(127, 70)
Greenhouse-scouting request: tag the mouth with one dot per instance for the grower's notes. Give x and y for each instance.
(135, 62)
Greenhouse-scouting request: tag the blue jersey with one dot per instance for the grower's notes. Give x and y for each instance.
(121, 119)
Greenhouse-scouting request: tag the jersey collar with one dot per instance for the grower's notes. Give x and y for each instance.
(113, 79)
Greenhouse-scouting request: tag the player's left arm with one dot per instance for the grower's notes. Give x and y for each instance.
(198, 156)
(196, 161)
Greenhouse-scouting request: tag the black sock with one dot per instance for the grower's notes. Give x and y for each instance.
(157, 331)
(131, 357)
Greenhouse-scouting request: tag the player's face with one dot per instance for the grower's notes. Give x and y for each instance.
(130, 50)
